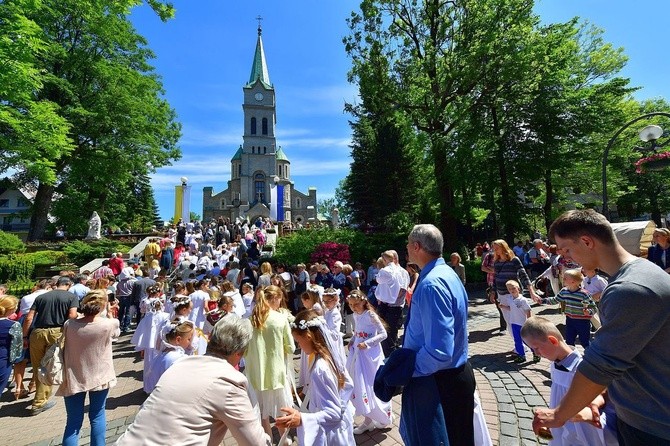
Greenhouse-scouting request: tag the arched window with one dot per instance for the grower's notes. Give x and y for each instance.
(259, 187)
(253, 126)
(298, 203)
(264, 126)
(280, 170)
(223, 203)
(239, 170)
(265, 150)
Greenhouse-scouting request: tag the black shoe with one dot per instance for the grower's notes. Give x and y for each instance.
(48, 405)
(536, 359)
(520, 359)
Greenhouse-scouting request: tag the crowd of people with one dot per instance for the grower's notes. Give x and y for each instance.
(211, 308)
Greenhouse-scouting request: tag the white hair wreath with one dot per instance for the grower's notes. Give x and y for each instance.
(304, 325)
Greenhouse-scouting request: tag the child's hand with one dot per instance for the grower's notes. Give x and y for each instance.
(291, 419)
(362, 346)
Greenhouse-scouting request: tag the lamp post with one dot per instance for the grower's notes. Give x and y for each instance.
(648, 134)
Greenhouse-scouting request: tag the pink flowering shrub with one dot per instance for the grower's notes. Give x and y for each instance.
(640, 164)
(331, 252)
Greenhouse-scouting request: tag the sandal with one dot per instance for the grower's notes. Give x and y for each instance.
(19, 394)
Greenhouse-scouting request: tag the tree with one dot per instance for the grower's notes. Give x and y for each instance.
(96, 73)
(438, 52)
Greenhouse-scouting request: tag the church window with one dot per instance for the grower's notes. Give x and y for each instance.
(280, 172)
(264, 125)
(239, 170)
(259, 187)
(223, 203)
(253, 126)
(298, 204)
(265, 150)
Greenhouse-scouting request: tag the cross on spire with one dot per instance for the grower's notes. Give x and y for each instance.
(259, 18)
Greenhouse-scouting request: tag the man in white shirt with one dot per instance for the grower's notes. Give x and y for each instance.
(390, 296)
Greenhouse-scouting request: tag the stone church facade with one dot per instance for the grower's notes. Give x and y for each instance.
(260, 182)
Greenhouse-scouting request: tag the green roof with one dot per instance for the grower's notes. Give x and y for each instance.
(259, 68)
(280, 155)
(238, 155)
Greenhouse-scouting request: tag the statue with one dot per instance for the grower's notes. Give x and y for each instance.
(94, 225)
(335, 217)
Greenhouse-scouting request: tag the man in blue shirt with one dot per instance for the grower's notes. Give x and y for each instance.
(437, 332)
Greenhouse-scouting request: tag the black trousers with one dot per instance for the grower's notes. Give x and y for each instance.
(393, 318)
(457, 397)
(630, 436)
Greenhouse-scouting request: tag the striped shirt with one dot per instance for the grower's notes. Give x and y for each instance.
(575, 303)
(509, 270)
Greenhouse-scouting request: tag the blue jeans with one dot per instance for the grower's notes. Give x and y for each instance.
(518, 342)
(74, 406)
(124, 312)
(577, 328)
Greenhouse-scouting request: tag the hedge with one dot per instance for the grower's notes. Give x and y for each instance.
(10, 244)
(22, 266)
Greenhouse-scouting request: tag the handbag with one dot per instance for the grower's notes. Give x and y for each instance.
(50, 372)
(16, 346)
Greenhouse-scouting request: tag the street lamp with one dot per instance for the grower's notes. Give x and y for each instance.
(650, 133)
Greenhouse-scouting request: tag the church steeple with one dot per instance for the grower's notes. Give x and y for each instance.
(259, 68)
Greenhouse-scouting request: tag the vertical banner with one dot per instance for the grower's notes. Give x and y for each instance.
(178, 201)
(280, 203)
(186, 203)
(273, 201)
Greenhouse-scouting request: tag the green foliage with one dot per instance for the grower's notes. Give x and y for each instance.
(85, 116)
(473, 271)
(298, 246)
(80, 253)
(20, 287)
(10, 243)
(22, 266)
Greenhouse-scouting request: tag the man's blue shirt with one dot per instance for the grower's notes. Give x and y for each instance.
(437, 328)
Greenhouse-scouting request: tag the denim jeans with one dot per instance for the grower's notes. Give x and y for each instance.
(124, 312)
(74, 406)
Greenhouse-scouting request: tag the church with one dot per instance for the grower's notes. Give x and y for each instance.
(260, 172)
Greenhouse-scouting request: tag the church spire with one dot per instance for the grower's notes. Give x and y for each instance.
(259, 68)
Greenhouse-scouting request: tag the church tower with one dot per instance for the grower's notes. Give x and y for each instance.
(260, 182)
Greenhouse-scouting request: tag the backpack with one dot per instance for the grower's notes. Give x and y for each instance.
(526, 258)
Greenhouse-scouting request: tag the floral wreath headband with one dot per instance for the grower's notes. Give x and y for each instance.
(357, 296)
(304, 325)
(330, 292)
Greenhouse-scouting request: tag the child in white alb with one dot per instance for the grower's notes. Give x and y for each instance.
(176, 337)
(311, 300)
(544, 338)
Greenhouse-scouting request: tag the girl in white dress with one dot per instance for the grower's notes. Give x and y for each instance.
(247, 291)
(177, 336)
(178, 293)
(365, 357)
(333, 316)
(311, 301)
(199, 298)
(146, 338)
(326, 416)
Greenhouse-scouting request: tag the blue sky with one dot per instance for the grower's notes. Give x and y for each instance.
(204, 56)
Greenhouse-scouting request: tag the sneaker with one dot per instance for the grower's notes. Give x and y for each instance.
(364, 428)
(536, 359)
(48, 405)
(520, 359)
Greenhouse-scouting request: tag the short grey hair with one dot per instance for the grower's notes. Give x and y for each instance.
(231, 334)
(429, 237)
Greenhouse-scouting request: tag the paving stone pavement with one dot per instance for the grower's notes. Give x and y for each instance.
(508, 392)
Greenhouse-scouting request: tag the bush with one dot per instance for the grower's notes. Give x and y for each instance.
(299, 246)
(80, 253)
(10, 244)
(473, 271)
(329, 253)
(22, 266)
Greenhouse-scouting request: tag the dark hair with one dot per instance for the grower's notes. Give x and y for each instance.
(575, 223)
(64, 281)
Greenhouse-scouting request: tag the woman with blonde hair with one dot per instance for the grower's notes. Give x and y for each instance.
(507, 266)
(267, 356)
(11, 340)
(266, 274)
(88, 368)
